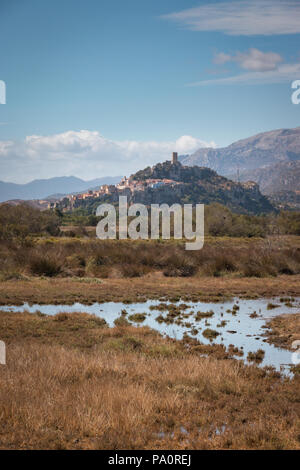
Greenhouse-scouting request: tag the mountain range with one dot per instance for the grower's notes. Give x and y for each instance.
(271, 159)
(44, 188)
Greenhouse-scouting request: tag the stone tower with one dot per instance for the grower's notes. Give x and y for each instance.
(174, 157)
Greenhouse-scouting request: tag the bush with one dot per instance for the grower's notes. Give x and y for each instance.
(22, 220)
(44, 266)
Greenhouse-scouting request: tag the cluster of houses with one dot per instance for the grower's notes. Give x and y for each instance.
(132, 185)
(127, 186)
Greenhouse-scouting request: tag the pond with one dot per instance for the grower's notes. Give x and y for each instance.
(239, 322)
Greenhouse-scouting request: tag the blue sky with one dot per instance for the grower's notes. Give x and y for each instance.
(104, 87)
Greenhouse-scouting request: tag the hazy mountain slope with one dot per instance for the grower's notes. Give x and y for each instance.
(40, 189)
(284, 176)
(267, 148)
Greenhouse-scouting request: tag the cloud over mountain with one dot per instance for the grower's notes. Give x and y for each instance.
(86, 154)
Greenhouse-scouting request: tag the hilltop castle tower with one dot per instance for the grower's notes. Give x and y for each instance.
(174, 157)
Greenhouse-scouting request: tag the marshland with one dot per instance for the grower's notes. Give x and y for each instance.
(135, 345)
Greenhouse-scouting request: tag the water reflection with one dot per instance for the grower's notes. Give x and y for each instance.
(238, 322)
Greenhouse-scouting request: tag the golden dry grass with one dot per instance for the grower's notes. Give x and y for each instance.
(155, 286)
(92, 258)
(119, 388)
(283, 330)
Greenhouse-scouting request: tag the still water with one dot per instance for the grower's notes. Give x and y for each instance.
(242, 330)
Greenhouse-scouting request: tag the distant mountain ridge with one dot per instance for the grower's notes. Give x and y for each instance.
(41, 189)
(283, 176)
(267, 148)
(271, 159)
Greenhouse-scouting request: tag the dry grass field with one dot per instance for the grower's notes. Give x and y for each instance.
(108, 259)
(71, 382)
(153, 286)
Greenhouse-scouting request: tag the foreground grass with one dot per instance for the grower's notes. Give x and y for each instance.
(72, 382)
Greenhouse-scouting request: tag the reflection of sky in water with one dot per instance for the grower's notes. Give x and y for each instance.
(248, 334)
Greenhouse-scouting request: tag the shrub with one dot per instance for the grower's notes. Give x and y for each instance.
(44, 266)
(22, 220)
(133, 270)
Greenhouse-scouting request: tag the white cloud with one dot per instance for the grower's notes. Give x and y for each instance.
(254, 60)
(283, 74)
(243, 18)
(86, 154)
(257, 60)
(221, 58)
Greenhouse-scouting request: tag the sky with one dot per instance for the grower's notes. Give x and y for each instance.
(107, 87)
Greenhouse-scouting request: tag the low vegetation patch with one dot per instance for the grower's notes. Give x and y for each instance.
(210, 334)
(257, 356)
(200, 315)
(283, 330)
(137, 317)
(31, 244)
(271, 306)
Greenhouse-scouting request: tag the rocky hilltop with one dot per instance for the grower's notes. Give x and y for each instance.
(176, 183)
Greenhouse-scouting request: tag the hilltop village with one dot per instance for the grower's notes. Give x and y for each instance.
(171, 182)
(126, 187)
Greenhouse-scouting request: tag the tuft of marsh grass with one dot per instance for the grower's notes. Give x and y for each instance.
(199, 315)
(271, 306)
(210, 334)
(257, 356)
(137, 317)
